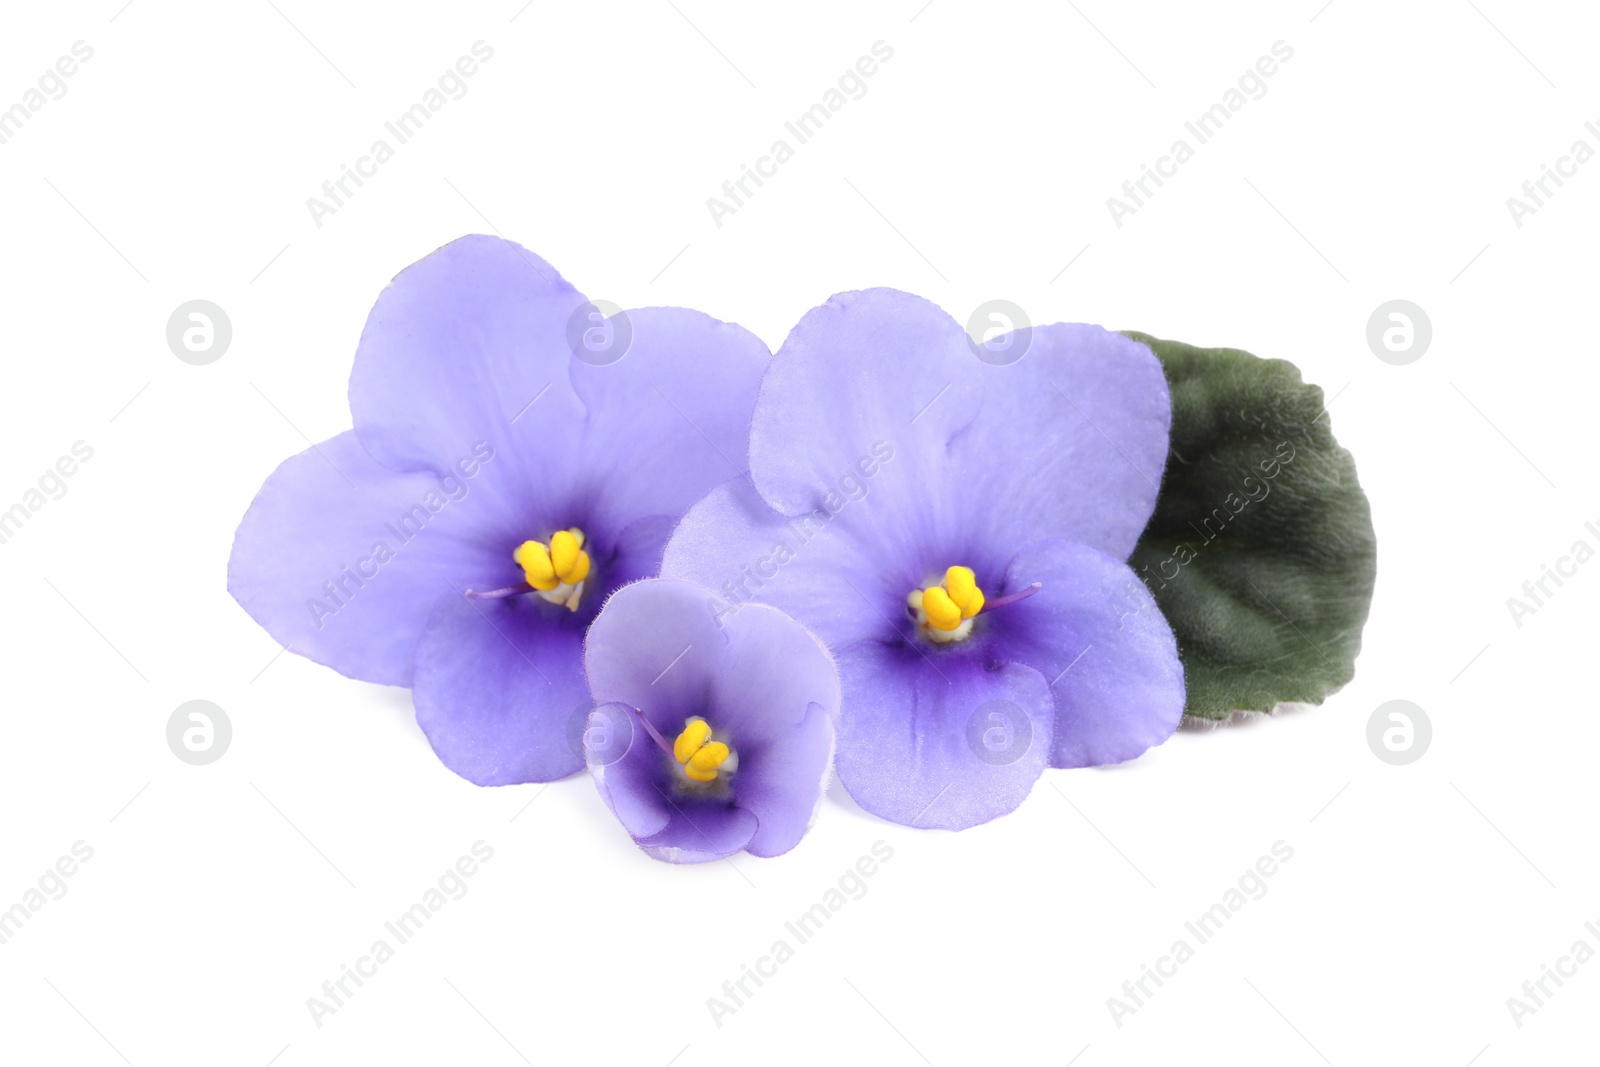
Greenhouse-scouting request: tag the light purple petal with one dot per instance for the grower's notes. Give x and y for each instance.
(635, 553)
(630, 782)
(733, 542)
(780, 780)
(1095, 631)
(869, 367)
(467, 344)
(670, 419)
(656, 646)
(777, 691)
(697, 833)
(1070, 441)
(939, 738)
(673, 649)
(499, 689)
(770, 674)
(389, 544)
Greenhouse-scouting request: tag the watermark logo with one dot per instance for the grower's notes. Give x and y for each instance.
(600, 733)
(999, 733)
(1399, 732)
(199, 732)
(199, 332)
(1399, 332)
(999, 332)
(599, 333)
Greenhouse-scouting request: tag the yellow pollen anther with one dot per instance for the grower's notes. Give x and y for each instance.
(944, 612)
(566, 556)
(696, 732)
(702, 766)
(536, 566)
(963, 588)
(701, 757)
(557, 569)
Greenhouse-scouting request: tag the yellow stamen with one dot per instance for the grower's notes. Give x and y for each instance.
(558, 568)
(536, 565)
(702, 766)
(963, 588)
(579, 570)
(696, 732)
(701, 757)
(564, 555)
(943, 614)
(944, 611)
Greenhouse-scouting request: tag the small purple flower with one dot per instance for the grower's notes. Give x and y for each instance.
(709, 737)
(955, 530)
(515, 458)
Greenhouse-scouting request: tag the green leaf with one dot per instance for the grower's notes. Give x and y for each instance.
(1261, 551)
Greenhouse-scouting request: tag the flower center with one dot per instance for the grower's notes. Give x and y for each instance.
(943, 611)
(701, 757)
(557, 570)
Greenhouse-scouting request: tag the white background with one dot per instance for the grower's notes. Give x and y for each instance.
(219, 898)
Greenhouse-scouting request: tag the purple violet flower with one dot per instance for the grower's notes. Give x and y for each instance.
(708, 738)
(496, 487)
(955, 530)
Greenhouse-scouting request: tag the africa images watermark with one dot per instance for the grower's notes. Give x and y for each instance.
(850, 487)
(1538, 190)
(1251, 490)
(52, 85)
(1136, 992)
(1203, 128)
(451, 85)
(52, 885)
(452, 885)
(1536, 991)
(1566, 567)
(52, 485)
(851, 885)
(340, 590)
(806, 126)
